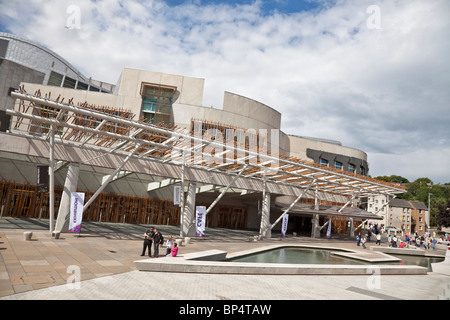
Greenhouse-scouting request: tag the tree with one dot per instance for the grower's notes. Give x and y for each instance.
(393, 179)
(443, 217)
(419, 191)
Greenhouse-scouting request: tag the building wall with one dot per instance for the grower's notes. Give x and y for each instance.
(418, 216)
(377, 205)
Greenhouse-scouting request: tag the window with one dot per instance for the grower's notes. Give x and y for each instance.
(363, 170)
(157, 101)
(149, 104)
(351, 168)
(323, 162)
(69, 83)
(337, 165)
(148, 117)
(55, 79)
(82, 86)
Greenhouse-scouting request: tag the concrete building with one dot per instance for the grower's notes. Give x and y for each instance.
(378, 204)
(399, 215)
(408, 216)
(168, 101)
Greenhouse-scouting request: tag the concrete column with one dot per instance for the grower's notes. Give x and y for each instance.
(188, 219)
(265, 230)
(70, 185)
(315, 229)
(351, 228)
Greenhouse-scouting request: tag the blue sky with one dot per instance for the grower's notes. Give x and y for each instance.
(372, 74)
(268, 6)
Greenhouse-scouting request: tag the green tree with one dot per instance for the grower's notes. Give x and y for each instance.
(393, 179)
(443, 216)
(419, 190)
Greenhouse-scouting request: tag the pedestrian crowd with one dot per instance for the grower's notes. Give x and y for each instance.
(426, 241)
(154, 237)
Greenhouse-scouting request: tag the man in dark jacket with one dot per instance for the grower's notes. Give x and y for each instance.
(157, 239)
(148, 236)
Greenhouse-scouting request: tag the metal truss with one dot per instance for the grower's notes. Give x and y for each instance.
(115, 131)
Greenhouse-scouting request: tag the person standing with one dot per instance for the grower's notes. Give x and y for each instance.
(157, 241)
(169, 245)
(148, 242)
(363, 242)
(378, 239)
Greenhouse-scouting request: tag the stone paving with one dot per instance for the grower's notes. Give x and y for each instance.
(104, 258)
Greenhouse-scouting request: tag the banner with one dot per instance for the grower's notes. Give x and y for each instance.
(177, 195)
(329, 229)
(76, 211)
(200, 221)
(284, 225)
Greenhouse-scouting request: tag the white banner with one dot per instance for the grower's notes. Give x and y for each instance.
(177, 195)
(76, 211)
(284, 225)
(200, 221)
(329, 229)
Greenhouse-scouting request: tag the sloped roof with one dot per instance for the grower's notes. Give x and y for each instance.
(418, 205)
(400, 203)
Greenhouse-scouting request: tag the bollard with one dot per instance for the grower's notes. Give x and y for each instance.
(187, 240)
(56, 234)
(27, 235)
(179, 242)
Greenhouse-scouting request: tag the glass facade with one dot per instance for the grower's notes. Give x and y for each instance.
(157, 103)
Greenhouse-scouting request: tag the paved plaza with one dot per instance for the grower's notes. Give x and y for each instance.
(103, 257)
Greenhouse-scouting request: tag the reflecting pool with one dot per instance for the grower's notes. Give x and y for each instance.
(295, 255)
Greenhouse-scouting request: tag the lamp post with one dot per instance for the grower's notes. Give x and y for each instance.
(427, 218)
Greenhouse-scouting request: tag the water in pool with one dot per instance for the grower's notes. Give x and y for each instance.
(322, 256)
(296, 256)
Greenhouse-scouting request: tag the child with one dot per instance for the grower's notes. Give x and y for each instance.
(174, 250)
(363, 242)
(169, 245)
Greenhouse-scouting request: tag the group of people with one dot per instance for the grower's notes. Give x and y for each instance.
(153, 236)
(426, 241)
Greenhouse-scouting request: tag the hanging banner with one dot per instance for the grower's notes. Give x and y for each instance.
(177, 195)
(200, 221)
(329, 229)
(284, 225)
(76, 211)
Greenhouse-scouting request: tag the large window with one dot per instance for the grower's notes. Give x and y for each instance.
(55, 79)
(157, 102)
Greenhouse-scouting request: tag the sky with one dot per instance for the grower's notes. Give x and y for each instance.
(372, 74)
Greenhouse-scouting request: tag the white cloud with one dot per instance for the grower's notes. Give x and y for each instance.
(383, 91)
